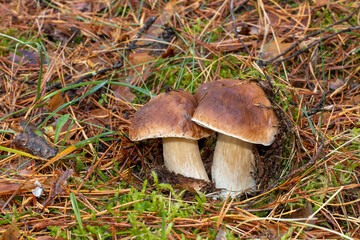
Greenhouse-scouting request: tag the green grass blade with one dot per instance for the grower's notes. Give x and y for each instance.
(163, 237)
(38, 89)
(61, 122)
(77, 212)
(21, 153)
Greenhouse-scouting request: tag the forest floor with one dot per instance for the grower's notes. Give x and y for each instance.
(73, 73)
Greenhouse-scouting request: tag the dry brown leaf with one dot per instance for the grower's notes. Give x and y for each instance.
(137, 59)
(274, 19)
(7, 188)
(55, 102)
(272, 49)
(99, 113)
(304, 212)
(87, 6)
(321, 2)
(49, 238)
(277, 230)
(229, 45)
(25, 56)
(62, 30)
(10, 182)
(43, 224)
(12, 233)
(58, 186)
(354, 100)
(123, 93)
(336, 83)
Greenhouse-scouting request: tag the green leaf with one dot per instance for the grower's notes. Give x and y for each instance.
(61, 122)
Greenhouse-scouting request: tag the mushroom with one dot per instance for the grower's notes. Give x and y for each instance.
(241, 116)
(168, 116)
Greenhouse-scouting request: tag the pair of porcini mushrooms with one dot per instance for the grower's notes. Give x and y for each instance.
(239, 112)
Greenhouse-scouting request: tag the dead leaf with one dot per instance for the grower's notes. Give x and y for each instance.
(230, 45)
(170, 52)
(274, 19)
(12, 178)
(55, 102)
(16, 58)
(277, 230)
(99, 113)
(62, 30)
(49, 238)
(321, 2)
(137, 59)
(336, 83)
(43, 224)
(31, 57)
(304, 212)
(26, 57)
(123, 93)
(273, 49)
(58, 186)
(354, 100)
(7, 188)
(12, 233)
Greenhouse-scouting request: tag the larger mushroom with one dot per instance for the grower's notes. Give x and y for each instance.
(168, 116)
(241, 116)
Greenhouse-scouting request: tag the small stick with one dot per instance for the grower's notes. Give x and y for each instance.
(234, 23)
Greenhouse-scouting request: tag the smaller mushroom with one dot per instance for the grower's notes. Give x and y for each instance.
(168, 116)
(240, 115)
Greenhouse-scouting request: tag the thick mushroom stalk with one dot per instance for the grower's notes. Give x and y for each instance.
(182, 156)
(233, 164)
(240, 115)
(168, 116)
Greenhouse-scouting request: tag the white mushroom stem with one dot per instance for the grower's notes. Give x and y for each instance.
(183, 156)
(232, 165)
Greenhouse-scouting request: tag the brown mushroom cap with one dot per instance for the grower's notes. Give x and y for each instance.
(238, 111)
(209, 86)
(167, 115)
